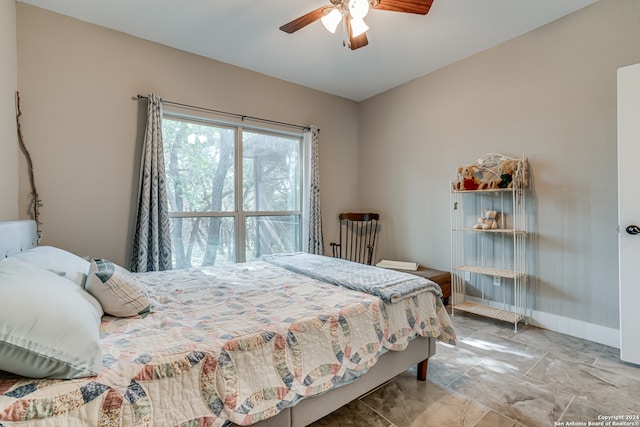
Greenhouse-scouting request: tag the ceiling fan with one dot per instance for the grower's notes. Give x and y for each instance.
(351, 14)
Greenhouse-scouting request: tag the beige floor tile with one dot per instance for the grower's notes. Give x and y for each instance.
(610, 360)
(521, 399)
(354, 414)
(493, 419)
(407, 402)
(619, 393)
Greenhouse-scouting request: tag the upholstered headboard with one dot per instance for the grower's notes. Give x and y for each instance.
(17, 236)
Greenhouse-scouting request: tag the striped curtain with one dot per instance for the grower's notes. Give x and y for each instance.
(312, 218)
(152, 241)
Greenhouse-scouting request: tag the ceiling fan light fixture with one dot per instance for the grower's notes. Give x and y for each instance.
(358, 27)
(331, 20)
(358, 9)
(351, 14)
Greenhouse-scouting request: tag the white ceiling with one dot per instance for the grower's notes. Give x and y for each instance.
(245, 33)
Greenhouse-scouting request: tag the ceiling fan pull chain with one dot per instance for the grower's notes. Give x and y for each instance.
(345, 31)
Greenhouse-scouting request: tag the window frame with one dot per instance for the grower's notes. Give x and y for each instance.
(239, 215)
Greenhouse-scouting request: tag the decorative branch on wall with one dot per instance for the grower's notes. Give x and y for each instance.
(35, 198)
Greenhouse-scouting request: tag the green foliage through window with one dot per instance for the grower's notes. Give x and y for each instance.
(224, 210)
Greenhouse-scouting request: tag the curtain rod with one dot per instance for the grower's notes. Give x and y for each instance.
(224, 113)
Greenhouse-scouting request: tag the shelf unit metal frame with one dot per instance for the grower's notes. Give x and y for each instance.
(498, 253)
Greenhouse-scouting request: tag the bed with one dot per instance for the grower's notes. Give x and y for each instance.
(278, 342)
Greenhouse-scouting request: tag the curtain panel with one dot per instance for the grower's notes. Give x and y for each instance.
(312, 227)
(152, 241)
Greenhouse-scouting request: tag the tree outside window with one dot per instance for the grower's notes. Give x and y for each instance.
(225, 210)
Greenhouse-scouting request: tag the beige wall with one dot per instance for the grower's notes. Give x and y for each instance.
(77, 81)
(549, 94)
(8, 86)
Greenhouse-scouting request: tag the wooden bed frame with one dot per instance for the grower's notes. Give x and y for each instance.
(19, 235)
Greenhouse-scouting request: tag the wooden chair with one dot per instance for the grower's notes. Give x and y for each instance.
(357, 237)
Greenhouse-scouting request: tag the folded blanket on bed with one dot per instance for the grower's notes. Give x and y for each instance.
(389, 285)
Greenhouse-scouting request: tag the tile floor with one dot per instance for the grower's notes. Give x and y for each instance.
(495, 377)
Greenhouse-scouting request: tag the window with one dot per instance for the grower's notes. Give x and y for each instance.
(234, 192)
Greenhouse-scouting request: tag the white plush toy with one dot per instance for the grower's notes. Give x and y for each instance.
(488, 221)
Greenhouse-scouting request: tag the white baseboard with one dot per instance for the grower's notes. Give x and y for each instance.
(576, 328)
(566, 325)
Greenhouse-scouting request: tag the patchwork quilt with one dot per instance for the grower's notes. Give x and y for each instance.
(226, 344)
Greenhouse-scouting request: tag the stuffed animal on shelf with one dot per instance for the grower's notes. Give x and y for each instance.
(506, 169)
(467, 179)
(488, 222)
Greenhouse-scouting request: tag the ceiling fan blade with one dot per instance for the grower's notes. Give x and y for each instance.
(358, 41)
(304, 20)
(419, 7)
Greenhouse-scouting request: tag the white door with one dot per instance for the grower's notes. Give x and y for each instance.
(629, 211)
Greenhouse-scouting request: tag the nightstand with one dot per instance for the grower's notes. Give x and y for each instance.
(442, 278)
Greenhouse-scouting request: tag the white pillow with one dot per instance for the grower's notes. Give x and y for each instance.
(57, 260)
(119, 292)
(49, 327)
